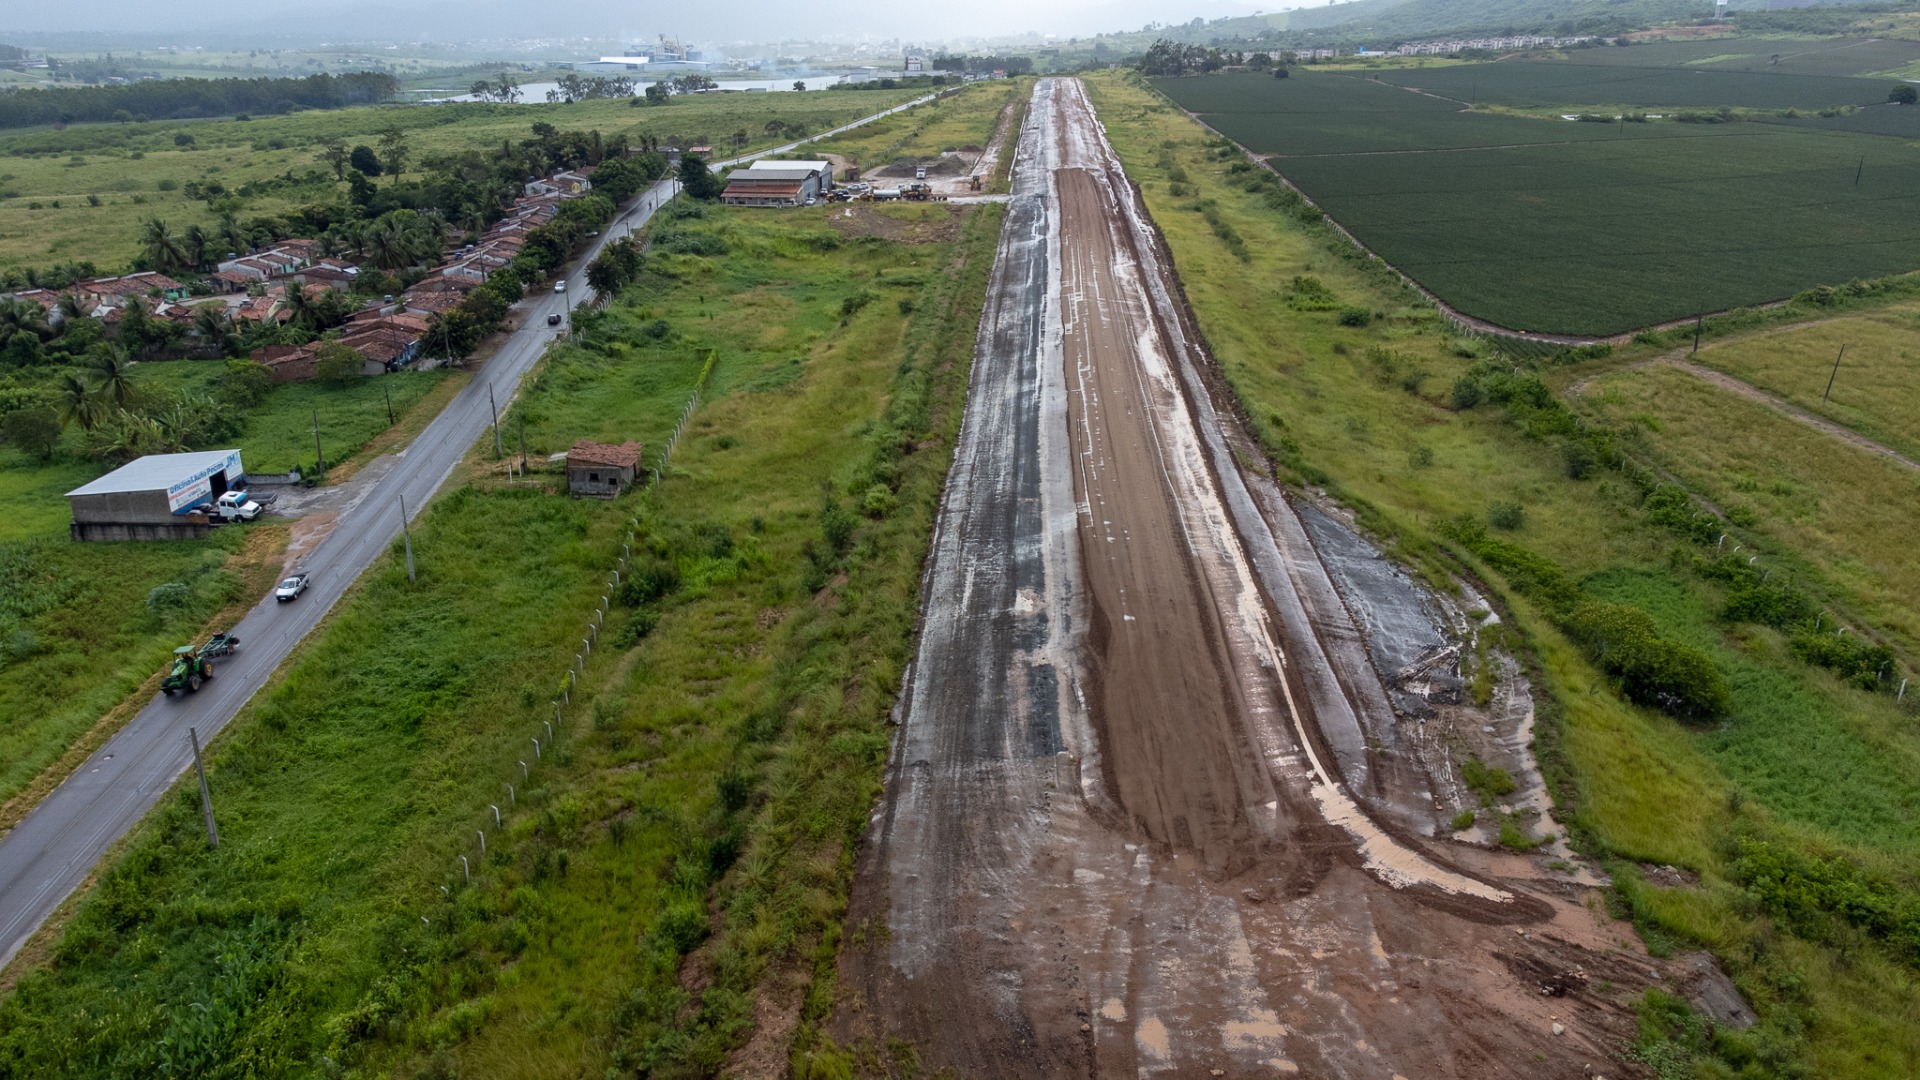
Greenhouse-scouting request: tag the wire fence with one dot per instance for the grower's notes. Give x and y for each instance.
(544, 741)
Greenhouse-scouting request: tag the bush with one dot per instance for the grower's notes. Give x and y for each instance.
(1677, 679)
(1855, 659)
(33, 431)
(1355, 316)
(649, 580)
(1489, 783)
(838, 523)
(1506, 515)
(170, 599)
(1466, 393)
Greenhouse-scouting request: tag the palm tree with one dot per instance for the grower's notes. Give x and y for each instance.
(299, 312)
(229, 232)
(79, 403)
(115, 370)
(194, 243)
(215, 328)
(69, 305)
(17, 315)
(161, 246)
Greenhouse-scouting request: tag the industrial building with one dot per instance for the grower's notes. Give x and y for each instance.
(158, 497)
(778, 183)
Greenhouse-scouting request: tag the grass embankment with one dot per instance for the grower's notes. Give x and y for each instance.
(927, 131)
(1800, 761)
(140, 170)
(1843, 512)
(714, 771)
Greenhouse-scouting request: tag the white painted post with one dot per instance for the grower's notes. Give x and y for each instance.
(536, 748)
(549, 731)
(467, 869)
(523, 772)
(482, 833)
(512, 800)
(495, 807)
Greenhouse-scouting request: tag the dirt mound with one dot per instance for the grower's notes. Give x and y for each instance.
(855, 220)
(945, 165)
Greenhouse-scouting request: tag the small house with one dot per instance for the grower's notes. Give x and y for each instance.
(601, 470)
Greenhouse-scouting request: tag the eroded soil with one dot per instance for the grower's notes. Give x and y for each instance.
(1154, 806)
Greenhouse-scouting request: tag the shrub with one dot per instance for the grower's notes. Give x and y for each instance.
(1855, 659)
(169, 599)
(838, 523)
(1677, 679)
(1466, 393)
(1355, 316)
(1506, 515)
(1309, 293)
(1778, 606)
(649, 580)
(1488, 782)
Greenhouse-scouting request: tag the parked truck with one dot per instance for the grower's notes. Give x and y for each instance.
(235, 506)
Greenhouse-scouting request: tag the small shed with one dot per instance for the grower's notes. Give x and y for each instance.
(601, 470)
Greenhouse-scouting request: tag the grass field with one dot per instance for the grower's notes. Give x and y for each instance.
(279, 434)
(964, 120)
(1875, 388)
(1364, 412)
(713, 775)
(1571, 228)
(138, 170)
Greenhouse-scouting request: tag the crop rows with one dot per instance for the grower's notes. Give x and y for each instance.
(1573, 228)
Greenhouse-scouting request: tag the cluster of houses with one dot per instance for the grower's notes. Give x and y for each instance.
(389, 333)
(1491, 44)
(534, 208)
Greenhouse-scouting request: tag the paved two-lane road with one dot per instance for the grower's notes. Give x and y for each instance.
(51, 852)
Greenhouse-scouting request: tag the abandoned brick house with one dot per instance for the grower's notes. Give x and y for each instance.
(600, 470)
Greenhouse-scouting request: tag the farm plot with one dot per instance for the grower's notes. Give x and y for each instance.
(1580, 229)
(1779, 56)
(1552, 85)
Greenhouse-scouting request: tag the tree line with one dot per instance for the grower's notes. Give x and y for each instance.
(173, 99)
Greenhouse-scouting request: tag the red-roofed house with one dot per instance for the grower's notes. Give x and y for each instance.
(601, 470)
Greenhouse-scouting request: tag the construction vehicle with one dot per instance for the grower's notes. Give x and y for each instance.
(973, 182)
(916, 192)
(220, 644)
(189, 670)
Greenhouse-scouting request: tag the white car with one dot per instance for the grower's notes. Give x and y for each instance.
(560, 286)
(292, 587)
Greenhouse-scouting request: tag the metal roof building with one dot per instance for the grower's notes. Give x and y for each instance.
(778, 183)
(152, 498)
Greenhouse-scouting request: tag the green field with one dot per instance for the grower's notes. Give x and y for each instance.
(1574, 228)
(1795, 56)
(1813, 766)
(713, 774)
(1549, 84)
(138, 170)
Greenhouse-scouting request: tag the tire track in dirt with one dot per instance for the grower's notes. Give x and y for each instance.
(1112, 841)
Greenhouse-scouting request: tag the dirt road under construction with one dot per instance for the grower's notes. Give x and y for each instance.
(1165, 790)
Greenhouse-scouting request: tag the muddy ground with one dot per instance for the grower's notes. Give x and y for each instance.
(1174, 768)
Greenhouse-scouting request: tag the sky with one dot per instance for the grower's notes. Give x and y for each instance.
(737, 20)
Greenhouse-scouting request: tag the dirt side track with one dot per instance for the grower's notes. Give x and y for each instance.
(1148, 810)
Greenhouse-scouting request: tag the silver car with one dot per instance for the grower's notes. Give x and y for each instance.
(292, 587)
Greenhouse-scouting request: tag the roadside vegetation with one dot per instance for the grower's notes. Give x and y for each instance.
(1789, 789)
(675, 867)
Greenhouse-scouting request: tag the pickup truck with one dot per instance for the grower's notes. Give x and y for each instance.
(234, 506)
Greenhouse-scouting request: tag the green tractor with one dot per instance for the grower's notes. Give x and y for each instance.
(190, 669)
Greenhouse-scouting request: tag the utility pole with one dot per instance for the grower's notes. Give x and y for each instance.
(206, 797)
(389, 391)
(1835, 375)
(1861, 168)
(408, 534)
(1699, 323)
(497, 453)
(523, 440)
(318, 455)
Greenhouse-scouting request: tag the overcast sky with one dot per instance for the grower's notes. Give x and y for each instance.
(761, 20)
